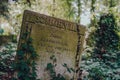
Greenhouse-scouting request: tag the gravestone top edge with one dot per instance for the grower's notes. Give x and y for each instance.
(53, 21)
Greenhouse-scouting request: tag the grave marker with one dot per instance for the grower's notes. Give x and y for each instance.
(53, 36)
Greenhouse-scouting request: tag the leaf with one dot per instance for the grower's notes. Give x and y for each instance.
(20, 74)
(20, 53)
(52, 57)
(72, 69)
(69, 70)
(64, 65)
(49, 66)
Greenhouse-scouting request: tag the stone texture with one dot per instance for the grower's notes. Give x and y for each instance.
(53, 36)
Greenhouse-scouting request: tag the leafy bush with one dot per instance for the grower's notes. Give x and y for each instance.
(104, 63)
(7, 54)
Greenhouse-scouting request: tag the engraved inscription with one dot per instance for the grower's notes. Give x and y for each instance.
(52, 39)
(52, 36)
(51, 21)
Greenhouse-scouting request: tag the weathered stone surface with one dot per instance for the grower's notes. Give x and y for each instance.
(52, 36)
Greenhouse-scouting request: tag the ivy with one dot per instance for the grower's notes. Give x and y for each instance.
(52, 72)
(104, 62)
(25, 64)
(7, 54)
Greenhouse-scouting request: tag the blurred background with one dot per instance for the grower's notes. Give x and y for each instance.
(101, 55)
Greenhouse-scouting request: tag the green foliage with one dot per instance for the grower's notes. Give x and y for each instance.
(96, 73)
(107, 40)
(4, 8)
(51, 68)
(25, 64)
(7, 54)
(1, 31)
(92, 5)
(104, 61)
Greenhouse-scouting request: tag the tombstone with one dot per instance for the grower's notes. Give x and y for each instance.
(53, 37)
